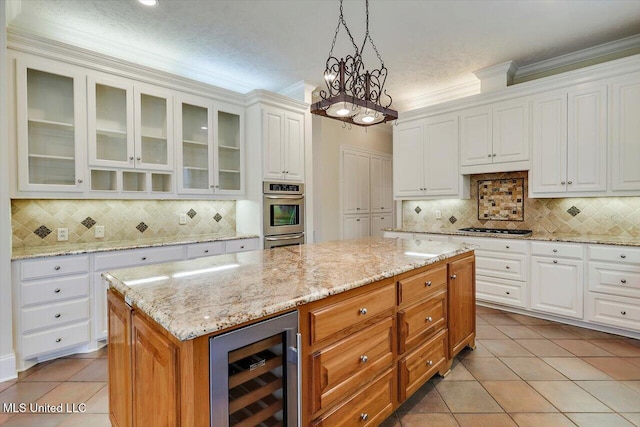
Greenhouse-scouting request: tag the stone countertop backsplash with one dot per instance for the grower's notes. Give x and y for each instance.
(194, 298)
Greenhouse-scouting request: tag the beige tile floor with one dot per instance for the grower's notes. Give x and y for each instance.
(524, 372)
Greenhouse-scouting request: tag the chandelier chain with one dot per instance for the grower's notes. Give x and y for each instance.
(367, 35)
(335, 36)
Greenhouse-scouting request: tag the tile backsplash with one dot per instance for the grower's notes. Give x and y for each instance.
(611, 216)
(34, 222)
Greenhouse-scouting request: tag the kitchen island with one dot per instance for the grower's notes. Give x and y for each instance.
(421, 311)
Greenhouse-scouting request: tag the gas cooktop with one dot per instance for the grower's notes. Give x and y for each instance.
(497, 231)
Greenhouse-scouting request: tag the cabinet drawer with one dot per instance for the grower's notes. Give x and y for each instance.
(625, 254)
(418, 322)
(326, 321)
(505, 266)
(501, 291)
(54, 339)
(53, 290)
(369, 407)
(614, 310)
(345, 367)
(198, 250)
(52, 315)
(54, 266)
(421, 364)
(422, 285)
(242, 245)
(137, 257)
(616, 279)
(496, 244)
(564, 250)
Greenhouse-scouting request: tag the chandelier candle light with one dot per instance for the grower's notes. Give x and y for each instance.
(353, 95)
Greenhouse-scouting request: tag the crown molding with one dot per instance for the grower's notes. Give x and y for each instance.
(496, 77)
(579, 56)
(275, 100)
(443, 95)
(300, 90)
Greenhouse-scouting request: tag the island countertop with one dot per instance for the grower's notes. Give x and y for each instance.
(198, 297)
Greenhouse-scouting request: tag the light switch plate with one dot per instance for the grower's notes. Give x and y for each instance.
(63, 234)
(99, 233)
(438, 214)
(183, 219)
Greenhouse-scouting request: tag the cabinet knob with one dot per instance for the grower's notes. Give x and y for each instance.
(508, 293)
(570, 182)
(623, 256)
(56, 291)
(283, 172)
(364, 416)
(453, 276)
(555, 261)
(79, 180)
(507, 267)
(206, 251)
(562, 182)
(364, 359)
(623, 281)
(144, 258)
(358, 219)
(58, 339)
(430, 363)
(287, 172)
(508, 247)
(429, 319)
(130, 157)
(624, 313)
(381, 207)
(216, 186)
(488, 155)
(138, 158)
(493, 155)
(363, 311)
(242, 247)
(212, 186)
(57, 315)
(555, 251)
(56, 268)
(381, 217)
(427, 283)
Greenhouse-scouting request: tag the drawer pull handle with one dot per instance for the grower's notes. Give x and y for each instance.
(144, 258)
(555, 251)
(508, 267)
(56, 268)
(624, 313)
(453, 276)
(508, 293)
(364, 416)
(508, 247)
(623, 281)
(57, 316)
(206, 251)
(429, 319)
(56, 291)
(363, 311)
(427, 283)
(364, 359)
(242, 247)
(555, 261)
(58, 339)
(623, 256)
(430, 363)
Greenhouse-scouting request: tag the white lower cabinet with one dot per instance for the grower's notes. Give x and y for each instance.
(380, 222)
(500, 291)
(556, 286)
(356, 226)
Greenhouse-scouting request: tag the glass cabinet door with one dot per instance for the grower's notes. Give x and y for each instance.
(193, 128)
(50, 126)
(154, 131)
(110, 122)
(229, 124)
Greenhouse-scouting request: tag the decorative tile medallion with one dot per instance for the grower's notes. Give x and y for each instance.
(573, 211)
(142, 227)
(217, 217)
(501, 199)
(452, 219)
(191, 213)
(88, 222)
(42, 232)
(417, 209)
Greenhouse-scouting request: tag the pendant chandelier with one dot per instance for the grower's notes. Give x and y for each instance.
(354, 95)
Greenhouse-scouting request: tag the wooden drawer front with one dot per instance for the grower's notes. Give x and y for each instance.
(417, 322)
(198, 250)
(422, 285)
(54, 339)
(54, 314)
(501, 291)
(495, 244)
(53, 290)
(505, 266)
(564, 250)
(623, 254)
(616, 279)
(614, 310)
(370, 407)
(345, 367)
(421, 364)
(328, 320)
(136, 257)
(242, 245)
(54, 266)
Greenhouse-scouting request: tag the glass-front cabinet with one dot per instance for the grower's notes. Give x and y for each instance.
(51, 124)
(211, 140)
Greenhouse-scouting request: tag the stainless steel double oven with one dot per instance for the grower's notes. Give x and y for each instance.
(283, 214)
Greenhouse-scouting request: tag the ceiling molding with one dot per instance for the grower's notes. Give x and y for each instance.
(299, 90)
(579, 56)
(496, 77)
(275, 99)
(34, 27)
(443, 95)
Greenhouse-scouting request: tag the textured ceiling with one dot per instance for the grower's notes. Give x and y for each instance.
(271, 44)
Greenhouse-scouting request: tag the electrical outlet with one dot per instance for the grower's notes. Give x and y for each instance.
(438, 214)
(183, 219)
(99, 233)
(63, 234)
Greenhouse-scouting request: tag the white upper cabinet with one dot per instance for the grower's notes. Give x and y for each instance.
(283, 136)
(495, 134)
(356, 185)
(153, 128)
(625, 133)
(381, 184)
(228, 151)
(425, 156)
(51, 126)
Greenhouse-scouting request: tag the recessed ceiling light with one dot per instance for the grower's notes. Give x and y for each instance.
(149, 2)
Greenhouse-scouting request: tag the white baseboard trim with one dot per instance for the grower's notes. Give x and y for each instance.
(8, 367)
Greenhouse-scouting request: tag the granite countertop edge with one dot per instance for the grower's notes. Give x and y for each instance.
(87, 248)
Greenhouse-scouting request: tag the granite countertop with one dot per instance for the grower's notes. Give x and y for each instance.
(84, 248)
(201, 296)
(549, 237)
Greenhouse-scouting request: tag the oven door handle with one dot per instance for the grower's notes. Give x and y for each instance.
(273, 239)
(285, 197)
